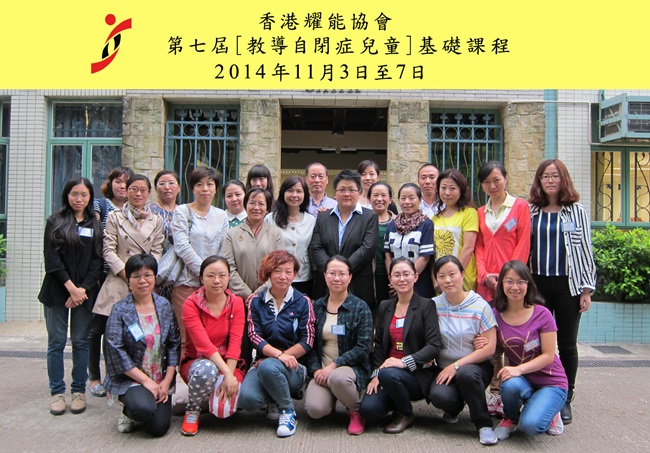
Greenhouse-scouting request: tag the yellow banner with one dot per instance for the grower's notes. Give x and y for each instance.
(321, 45)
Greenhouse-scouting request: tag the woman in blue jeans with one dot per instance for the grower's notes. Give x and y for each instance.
(407, 340)
(535, 377)
(281, 329)
(73, 267)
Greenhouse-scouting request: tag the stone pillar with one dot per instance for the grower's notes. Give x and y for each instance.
(260, 137)
(408, 146)
(523, 129)
(143, 135)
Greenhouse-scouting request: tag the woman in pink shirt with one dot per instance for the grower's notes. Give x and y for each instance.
(503, 235)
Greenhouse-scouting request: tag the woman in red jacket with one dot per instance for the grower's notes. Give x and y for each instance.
(214, 321)
(503, 235)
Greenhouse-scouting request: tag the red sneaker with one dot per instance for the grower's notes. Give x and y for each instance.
(190, 423)
(357, 424)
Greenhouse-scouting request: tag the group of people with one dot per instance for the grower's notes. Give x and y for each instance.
(342, 299)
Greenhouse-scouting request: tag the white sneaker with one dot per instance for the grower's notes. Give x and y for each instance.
(487, 437)
(505, 428)
(287, 424)
(272, 412)
(125, 424)
(557, 426)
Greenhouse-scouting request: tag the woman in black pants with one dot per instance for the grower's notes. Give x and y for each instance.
(562, 260)
(142, 351)
(407, 340)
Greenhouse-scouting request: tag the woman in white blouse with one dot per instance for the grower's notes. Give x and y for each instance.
(199, 230)
(297, 225)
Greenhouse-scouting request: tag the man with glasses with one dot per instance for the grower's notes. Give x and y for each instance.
(348, 230)
(317, 180)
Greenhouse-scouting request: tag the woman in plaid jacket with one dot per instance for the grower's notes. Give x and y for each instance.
(339, 363)
(142, 351)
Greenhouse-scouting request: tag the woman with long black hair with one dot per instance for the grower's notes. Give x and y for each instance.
(73, 267)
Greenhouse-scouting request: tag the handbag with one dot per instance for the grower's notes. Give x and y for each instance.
(171, 265)
(223, 408)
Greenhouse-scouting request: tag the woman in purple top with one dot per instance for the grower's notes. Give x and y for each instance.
(528, 334)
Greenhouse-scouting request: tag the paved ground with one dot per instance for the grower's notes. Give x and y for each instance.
(611, 414)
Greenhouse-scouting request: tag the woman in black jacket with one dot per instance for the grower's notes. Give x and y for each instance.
(73, 267)
(407, 340)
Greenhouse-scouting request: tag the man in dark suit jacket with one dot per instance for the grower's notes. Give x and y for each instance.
(348, 230)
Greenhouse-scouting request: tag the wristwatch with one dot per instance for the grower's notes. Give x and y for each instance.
(456, 366)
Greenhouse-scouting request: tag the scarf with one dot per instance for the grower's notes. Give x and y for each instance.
(405, 225)
(133, 215)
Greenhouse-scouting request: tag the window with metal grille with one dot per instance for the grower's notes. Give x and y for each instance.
(621, 186)
(465, 139)
(203, 136)
(84, 140)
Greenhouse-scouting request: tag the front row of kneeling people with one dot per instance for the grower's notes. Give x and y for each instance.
(439, 350)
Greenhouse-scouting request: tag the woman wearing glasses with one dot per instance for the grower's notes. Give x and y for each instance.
(339, 363)
(407, 340)
(562, 260)
(534, 378)
(142, 351)
(131, 230)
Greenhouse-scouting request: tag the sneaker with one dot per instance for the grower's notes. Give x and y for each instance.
(449, 419)
(494, 404)
(57, 404)
(125, 424)
(557, 426)
(77, 403)
(487, 437)
(98, 390)
(190, 423)
(272, 412)
(357, 423)
(505, 428)
(287, 423)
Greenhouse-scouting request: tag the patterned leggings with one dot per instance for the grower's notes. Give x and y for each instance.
(202, 376)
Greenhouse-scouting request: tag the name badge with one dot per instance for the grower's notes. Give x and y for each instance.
(531, 345)
(85, 232)
(511, 224)
(399, 345)
(136, 331)
(338, 330)
(399, 323)
(568, 227)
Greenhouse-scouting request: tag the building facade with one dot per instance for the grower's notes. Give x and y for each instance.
(49, 136)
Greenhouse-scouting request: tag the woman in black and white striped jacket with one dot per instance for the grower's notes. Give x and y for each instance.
(562, 260)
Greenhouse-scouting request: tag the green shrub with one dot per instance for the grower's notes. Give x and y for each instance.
(623, 263)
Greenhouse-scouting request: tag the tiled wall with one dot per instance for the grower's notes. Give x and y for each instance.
(615, 323)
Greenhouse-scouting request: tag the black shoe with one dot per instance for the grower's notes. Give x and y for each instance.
(565, 413)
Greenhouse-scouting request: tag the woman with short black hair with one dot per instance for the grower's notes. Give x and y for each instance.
(142, 351)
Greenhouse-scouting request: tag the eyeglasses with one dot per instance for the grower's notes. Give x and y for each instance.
(142, 190)
(399, 276)
(547, 178)
(166, 184)
(509, 282)
(317, 176)
(83, 196)
(341, 275)
(342, 191)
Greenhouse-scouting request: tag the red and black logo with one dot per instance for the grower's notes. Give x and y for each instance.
(114, 36)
